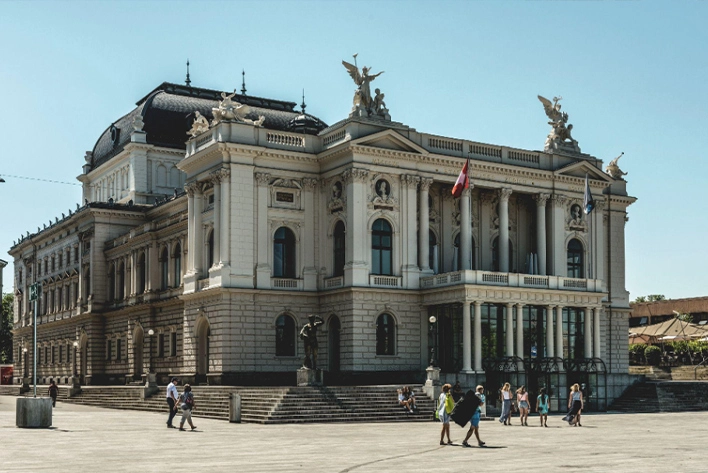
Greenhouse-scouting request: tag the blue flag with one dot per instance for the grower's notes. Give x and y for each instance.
(588, 202)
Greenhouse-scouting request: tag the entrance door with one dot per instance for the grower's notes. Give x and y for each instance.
(138, 353)
(203, 335)
(333, 343)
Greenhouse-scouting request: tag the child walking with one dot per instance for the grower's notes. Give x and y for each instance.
(542, 407)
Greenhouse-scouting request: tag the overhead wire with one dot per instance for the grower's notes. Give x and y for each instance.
(41, 179)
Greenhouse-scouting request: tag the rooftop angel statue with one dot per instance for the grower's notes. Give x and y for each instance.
(613, 168)
(559, 137)
(362, 97)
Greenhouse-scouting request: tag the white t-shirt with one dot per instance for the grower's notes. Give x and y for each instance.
(172, 391)
(506, 395)
(441, 404)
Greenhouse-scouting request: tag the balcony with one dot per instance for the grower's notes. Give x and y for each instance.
(489, 278)
(286, 283)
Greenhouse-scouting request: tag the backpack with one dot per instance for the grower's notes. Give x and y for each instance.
(189, 401)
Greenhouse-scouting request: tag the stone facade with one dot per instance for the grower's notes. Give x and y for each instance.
(354, 222)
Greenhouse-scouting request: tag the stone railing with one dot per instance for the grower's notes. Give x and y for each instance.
(332, 283)
(334, 137)
(384, 281)
(286, 139)
(286, 283)
(203, 284)
(488, 278)
(482, 151)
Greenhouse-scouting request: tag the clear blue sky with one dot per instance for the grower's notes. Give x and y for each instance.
(633, 76)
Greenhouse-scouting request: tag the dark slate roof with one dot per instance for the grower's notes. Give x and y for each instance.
(168, 113)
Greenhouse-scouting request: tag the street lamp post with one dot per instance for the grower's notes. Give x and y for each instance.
(433, 339)
(151, 332)
(76, 351)
(25, 362)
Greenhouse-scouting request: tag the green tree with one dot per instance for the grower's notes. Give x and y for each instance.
(640, 299)
(656, 297)
(6, 329)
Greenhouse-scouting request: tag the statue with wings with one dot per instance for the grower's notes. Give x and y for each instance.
(362, 97)
(559, 137)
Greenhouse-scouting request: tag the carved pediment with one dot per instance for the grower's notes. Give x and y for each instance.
(389, 139)
(581, 168)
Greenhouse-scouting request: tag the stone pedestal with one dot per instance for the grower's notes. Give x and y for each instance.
(432, 384)
(150, 386)
(34, 412)
(75, 384)
(235, 407)
(25, 387)
(309, 377)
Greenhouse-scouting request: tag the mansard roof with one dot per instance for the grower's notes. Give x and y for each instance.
(168, 112)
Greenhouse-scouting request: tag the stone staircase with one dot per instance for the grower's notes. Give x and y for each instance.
(663, 396)
(264, 405)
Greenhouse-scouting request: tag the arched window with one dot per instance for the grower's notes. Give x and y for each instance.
(121, 282)
(339, 249)
(432, 251)
(111, 283)
(575, 259)
(284, 336)
(164, 269)
(385, 335)
(284, 253)
(210, 249)
(177, 255)
(495, 255)
(140, 288)
(381, 248)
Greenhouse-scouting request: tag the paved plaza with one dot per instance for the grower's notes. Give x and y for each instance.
(88, 439)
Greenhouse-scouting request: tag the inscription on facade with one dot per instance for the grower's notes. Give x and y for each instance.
(284, 197)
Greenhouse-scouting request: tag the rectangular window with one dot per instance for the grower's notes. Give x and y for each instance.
(109, 349)
(46, 355)
(173, 343)
(160, 345)
(68, 353)
(61, 353)
(61, 260)
(573, 335)
(119, 349)
(54, 354)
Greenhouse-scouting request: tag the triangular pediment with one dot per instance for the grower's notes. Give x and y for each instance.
(389, 139)
(580, 169)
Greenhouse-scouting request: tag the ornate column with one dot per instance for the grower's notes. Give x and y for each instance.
(557, 256)
(541, 200)
(225, 249)
(587, 332)
(549, 331)
(216, 180)
(356, 268)
(520, 331)
(264, 241)
(509, 332)
(198, 257)
(466, 229)
(154, 273)
(478, 336)
(504, 195)
(409, 269)
(309, 270)
(190, 188)
(597, 349)
(424, 225)
(133, 284)
(466, 338)
(559, 331)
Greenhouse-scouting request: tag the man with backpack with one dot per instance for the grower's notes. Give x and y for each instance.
(188, 404)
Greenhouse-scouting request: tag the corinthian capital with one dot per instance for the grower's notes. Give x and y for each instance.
(504, 194)
(263, 178)
(541, 199)
(355, 175)
(410, 181)
(425, 183)
(193, 188)
(309, 183)
(559, 200)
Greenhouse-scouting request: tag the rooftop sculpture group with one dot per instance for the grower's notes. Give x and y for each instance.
(364, 105)
(228, 110)
(614, 170)
(559, 138)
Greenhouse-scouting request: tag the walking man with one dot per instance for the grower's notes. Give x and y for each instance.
(172, 398)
